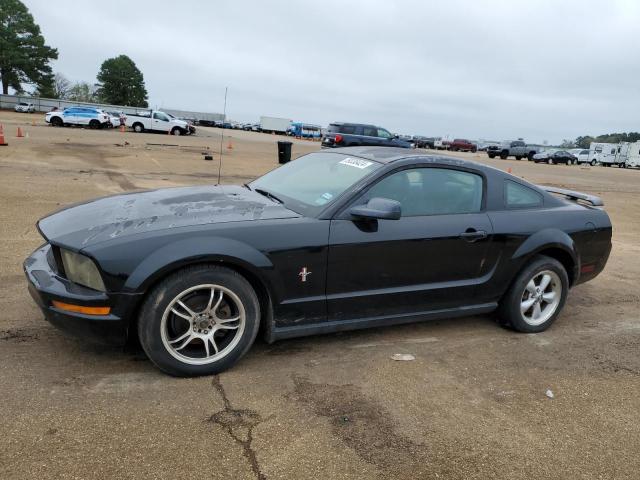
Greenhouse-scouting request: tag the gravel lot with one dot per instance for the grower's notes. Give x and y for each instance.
(471, 405)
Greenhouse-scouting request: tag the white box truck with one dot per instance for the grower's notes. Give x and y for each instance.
(274, 124)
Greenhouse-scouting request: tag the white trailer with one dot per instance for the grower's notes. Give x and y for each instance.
(604, 153)
(622, 152)
(633, 155)
(274, 124)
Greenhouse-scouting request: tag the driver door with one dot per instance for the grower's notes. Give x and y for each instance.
(431, 258)
(160, 122)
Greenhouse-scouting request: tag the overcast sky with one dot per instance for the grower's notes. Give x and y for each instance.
(477, 69)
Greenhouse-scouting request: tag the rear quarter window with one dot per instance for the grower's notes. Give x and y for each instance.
(520, 196)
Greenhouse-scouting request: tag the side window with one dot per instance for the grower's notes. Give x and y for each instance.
(431, 191)
(348, 129)
(519, 196)
(369, 131)
(384, 133)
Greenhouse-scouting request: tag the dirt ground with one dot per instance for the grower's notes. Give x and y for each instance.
(471, 405)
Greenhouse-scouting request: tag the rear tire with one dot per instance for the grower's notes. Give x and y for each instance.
(216, 329)
(593, 163)
(138, 128)
(536, 297)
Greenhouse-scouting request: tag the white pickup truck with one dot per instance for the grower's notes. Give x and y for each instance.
(156, 121)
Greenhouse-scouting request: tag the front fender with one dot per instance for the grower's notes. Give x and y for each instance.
(194, 250)
(549, 238)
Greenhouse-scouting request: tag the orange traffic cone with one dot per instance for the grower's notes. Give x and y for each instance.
(2, 142)
(509, 170)
(20, 134)
(230, 146)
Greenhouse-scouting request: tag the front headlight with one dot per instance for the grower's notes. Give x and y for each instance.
(81, 270)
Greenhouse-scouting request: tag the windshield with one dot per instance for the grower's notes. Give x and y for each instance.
(312, 182)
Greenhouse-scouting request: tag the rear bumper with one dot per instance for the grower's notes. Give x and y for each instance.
(45, 286)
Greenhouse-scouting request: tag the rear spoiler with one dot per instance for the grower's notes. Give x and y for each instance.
(575, 196)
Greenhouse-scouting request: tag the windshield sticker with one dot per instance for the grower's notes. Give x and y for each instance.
(356, 162)
(327, 196)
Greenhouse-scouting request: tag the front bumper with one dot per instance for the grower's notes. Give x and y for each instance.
(45, 286)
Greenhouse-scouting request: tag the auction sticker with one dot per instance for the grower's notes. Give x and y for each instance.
(356, 162)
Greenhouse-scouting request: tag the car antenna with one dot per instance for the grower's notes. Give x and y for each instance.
(224, 119)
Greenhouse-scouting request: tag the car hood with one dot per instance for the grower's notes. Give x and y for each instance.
(85, 224)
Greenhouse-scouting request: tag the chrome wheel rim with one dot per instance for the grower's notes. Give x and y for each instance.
(541, 297)
(203, 324)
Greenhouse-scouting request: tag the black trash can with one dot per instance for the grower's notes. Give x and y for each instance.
(284, 152)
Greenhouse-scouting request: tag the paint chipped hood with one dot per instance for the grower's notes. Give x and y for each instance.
(85, 224)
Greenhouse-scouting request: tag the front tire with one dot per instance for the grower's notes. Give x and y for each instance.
(176, 131)
(199, 321)
(536, 297)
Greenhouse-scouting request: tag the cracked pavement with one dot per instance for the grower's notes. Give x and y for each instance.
(471, 405)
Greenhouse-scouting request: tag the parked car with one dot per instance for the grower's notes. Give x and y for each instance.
(335, 240)
(581, 154)
(514, 148)
(483, 146)
(156, 121)
(441, 144)
(358, 134)
(25, 107)
(423, 142)
(555, 156)
(84, 116)
(462, 145)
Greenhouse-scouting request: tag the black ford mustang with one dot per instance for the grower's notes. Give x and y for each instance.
(335, 240)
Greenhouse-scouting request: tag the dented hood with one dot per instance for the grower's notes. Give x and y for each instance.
(103, 219)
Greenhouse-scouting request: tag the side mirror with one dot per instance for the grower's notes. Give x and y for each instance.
(378, 208)
(396, 136)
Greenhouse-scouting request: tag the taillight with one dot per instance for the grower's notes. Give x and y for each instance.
(338, 138)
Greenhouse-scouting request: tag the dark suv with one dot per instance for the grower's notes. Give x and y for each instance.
(360, 135)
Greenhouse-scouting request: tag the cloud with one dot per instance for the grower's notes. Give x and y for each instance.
(542, 70)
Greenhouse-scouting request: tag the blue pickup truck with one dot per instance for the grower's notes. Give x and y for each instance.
(360, 135)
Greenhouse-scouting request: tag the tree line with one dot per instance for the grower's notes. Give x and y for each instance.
(25, 62)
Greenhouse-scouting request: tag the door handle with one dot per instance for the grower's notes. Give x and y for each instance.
(473, 235)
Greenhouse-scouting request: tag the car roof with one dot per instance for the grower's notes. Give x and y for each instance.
(390, 155)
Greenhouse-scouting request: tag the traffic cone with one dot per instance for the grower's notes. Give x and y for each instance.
(121, 128)
(33, 123)
(2, 142)
(509, 170)
(20, 134)
(230, 146)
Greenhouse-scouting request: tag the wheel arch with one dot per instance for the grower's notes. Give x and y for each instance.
(553, 243)
(237, 256)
